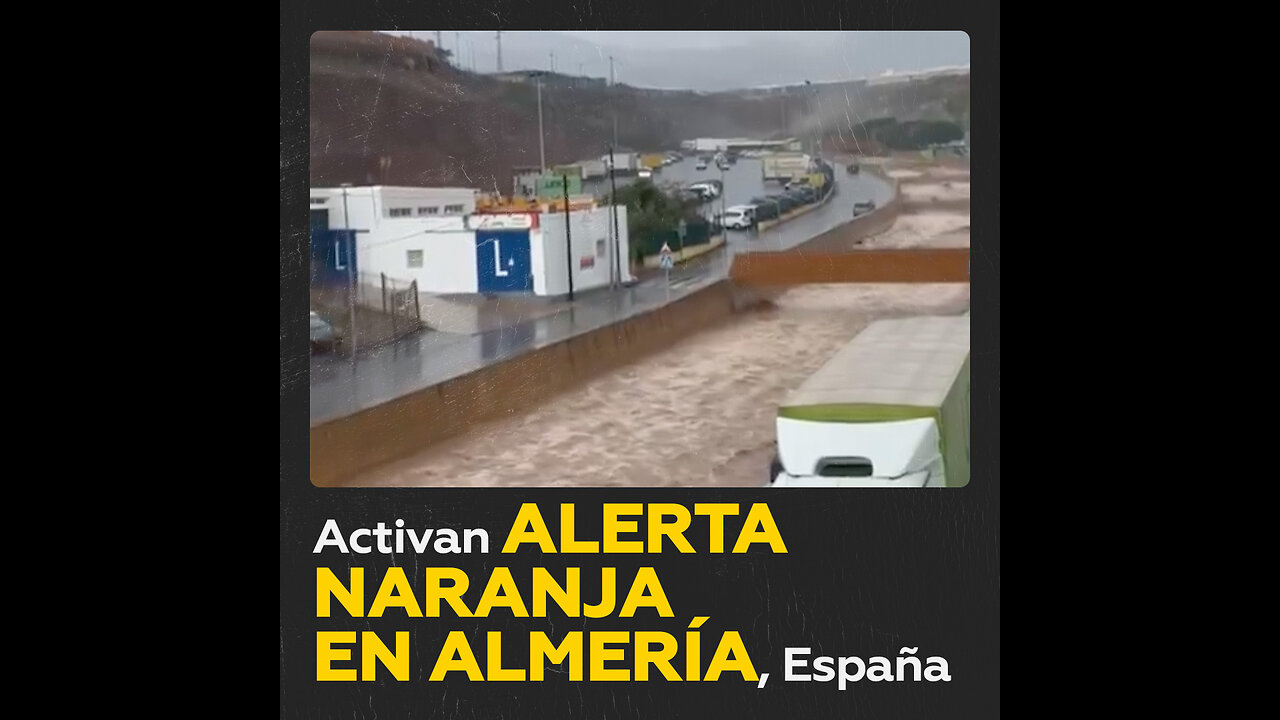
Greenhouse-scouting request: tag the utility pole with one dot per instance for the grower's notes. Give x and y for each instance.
(614, 103)
(553, 61)
(608, 230)
(810, 95)
(457, 50)
(723, 192)
(351, 279)
(439, 42)
(542, 150)
(499, 51)
(568, 245)
(613, 207)
(724, 232)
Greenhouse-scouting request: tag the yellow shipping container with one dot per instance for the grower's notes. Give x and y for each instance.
(651, 161)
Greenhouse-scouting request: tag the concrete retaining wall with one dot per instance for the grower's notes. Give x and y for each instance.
(343, 448)
(690, 252)
(835, 256)
(911, 265)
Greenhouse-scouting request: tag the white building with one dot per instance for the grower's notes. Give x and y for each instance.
(497, 253)
(370, 206)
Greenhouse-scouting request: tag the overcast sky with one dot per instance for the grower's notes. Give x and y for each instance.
(711, 60)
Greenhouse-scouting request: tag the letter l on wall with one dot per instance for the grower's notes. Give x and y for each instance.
(497, 261)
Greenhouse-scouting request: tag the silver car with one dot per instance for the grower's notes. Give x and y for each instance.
(323, 337)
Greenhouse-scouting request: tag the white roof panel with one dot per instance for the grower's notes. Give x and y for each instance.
(911, 361)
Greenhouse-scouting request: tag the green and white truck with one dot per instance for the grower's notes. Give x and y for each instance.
(890, 409)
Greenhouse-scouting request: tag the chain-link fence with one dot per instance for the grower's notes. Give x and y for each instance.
(384, 309)
(394, 298)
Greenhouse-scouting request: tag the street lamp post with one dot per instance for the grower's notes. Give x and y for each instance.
(613, 208)
(724, 232)
(542, 150)
(808, 106)
(723, 192)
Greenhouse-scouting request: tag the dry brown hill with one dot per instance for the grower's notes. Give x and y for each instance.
(392, 110)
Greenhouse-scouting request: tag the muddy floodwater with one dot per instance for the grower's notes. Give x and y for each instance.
(699, 413)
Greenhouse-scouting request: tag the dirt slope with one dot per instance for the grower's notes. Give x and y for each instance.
(392, 111)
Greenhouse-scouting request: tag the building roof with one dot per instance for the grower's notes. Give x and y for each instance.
(398, 188)
(907, 362)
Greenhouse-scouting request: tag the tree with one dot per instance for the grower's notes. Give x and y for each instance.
(653, 214)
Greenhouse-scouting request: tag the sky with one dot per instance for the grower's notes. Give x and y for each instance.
(711, 61)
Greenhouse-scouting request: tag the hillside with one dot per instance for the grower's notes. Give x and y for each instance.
(393, 111)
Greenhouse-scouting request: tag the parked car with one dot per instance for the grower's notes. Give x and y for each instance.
(644, 173)
(862, 208)
(739, 217)
(706, 190)
(766, 208)
(810, 194)
(853, 169)
(323, 337)
(702, 165)
(796, 197)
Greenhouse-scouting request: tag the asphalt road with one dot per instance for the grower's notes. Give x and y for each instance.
(341, 387)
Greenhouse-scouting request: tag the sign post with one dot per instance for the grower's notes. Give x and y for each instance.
(665, 261)
(568, 246)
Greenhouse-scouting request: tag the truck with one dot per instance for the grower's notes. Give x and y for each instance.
(623, 161)
(573, 171)
(593, 169)
(710, 145)
(889, 410)
(785, 167)
(652, 161)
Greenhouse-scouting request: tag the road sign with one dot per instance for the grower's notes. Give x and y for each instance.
(665, 261)
(682, 228)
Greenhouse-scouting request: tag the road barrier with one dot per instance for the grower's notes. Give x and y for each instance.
(688, 253)
(913, 265)
(765, 225)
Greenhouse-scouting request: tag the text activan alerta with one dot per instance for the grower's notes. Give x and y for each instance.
(666, 527)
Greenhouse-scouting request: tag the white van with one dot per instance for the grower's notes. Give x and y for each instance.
(890, 409)
(739, 217)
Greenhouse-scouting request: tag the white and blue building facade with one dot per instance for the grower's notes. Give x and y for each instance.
(474, 252)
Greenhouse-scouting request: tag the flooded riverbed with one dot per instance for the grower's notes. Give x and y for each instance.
(700, 413)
